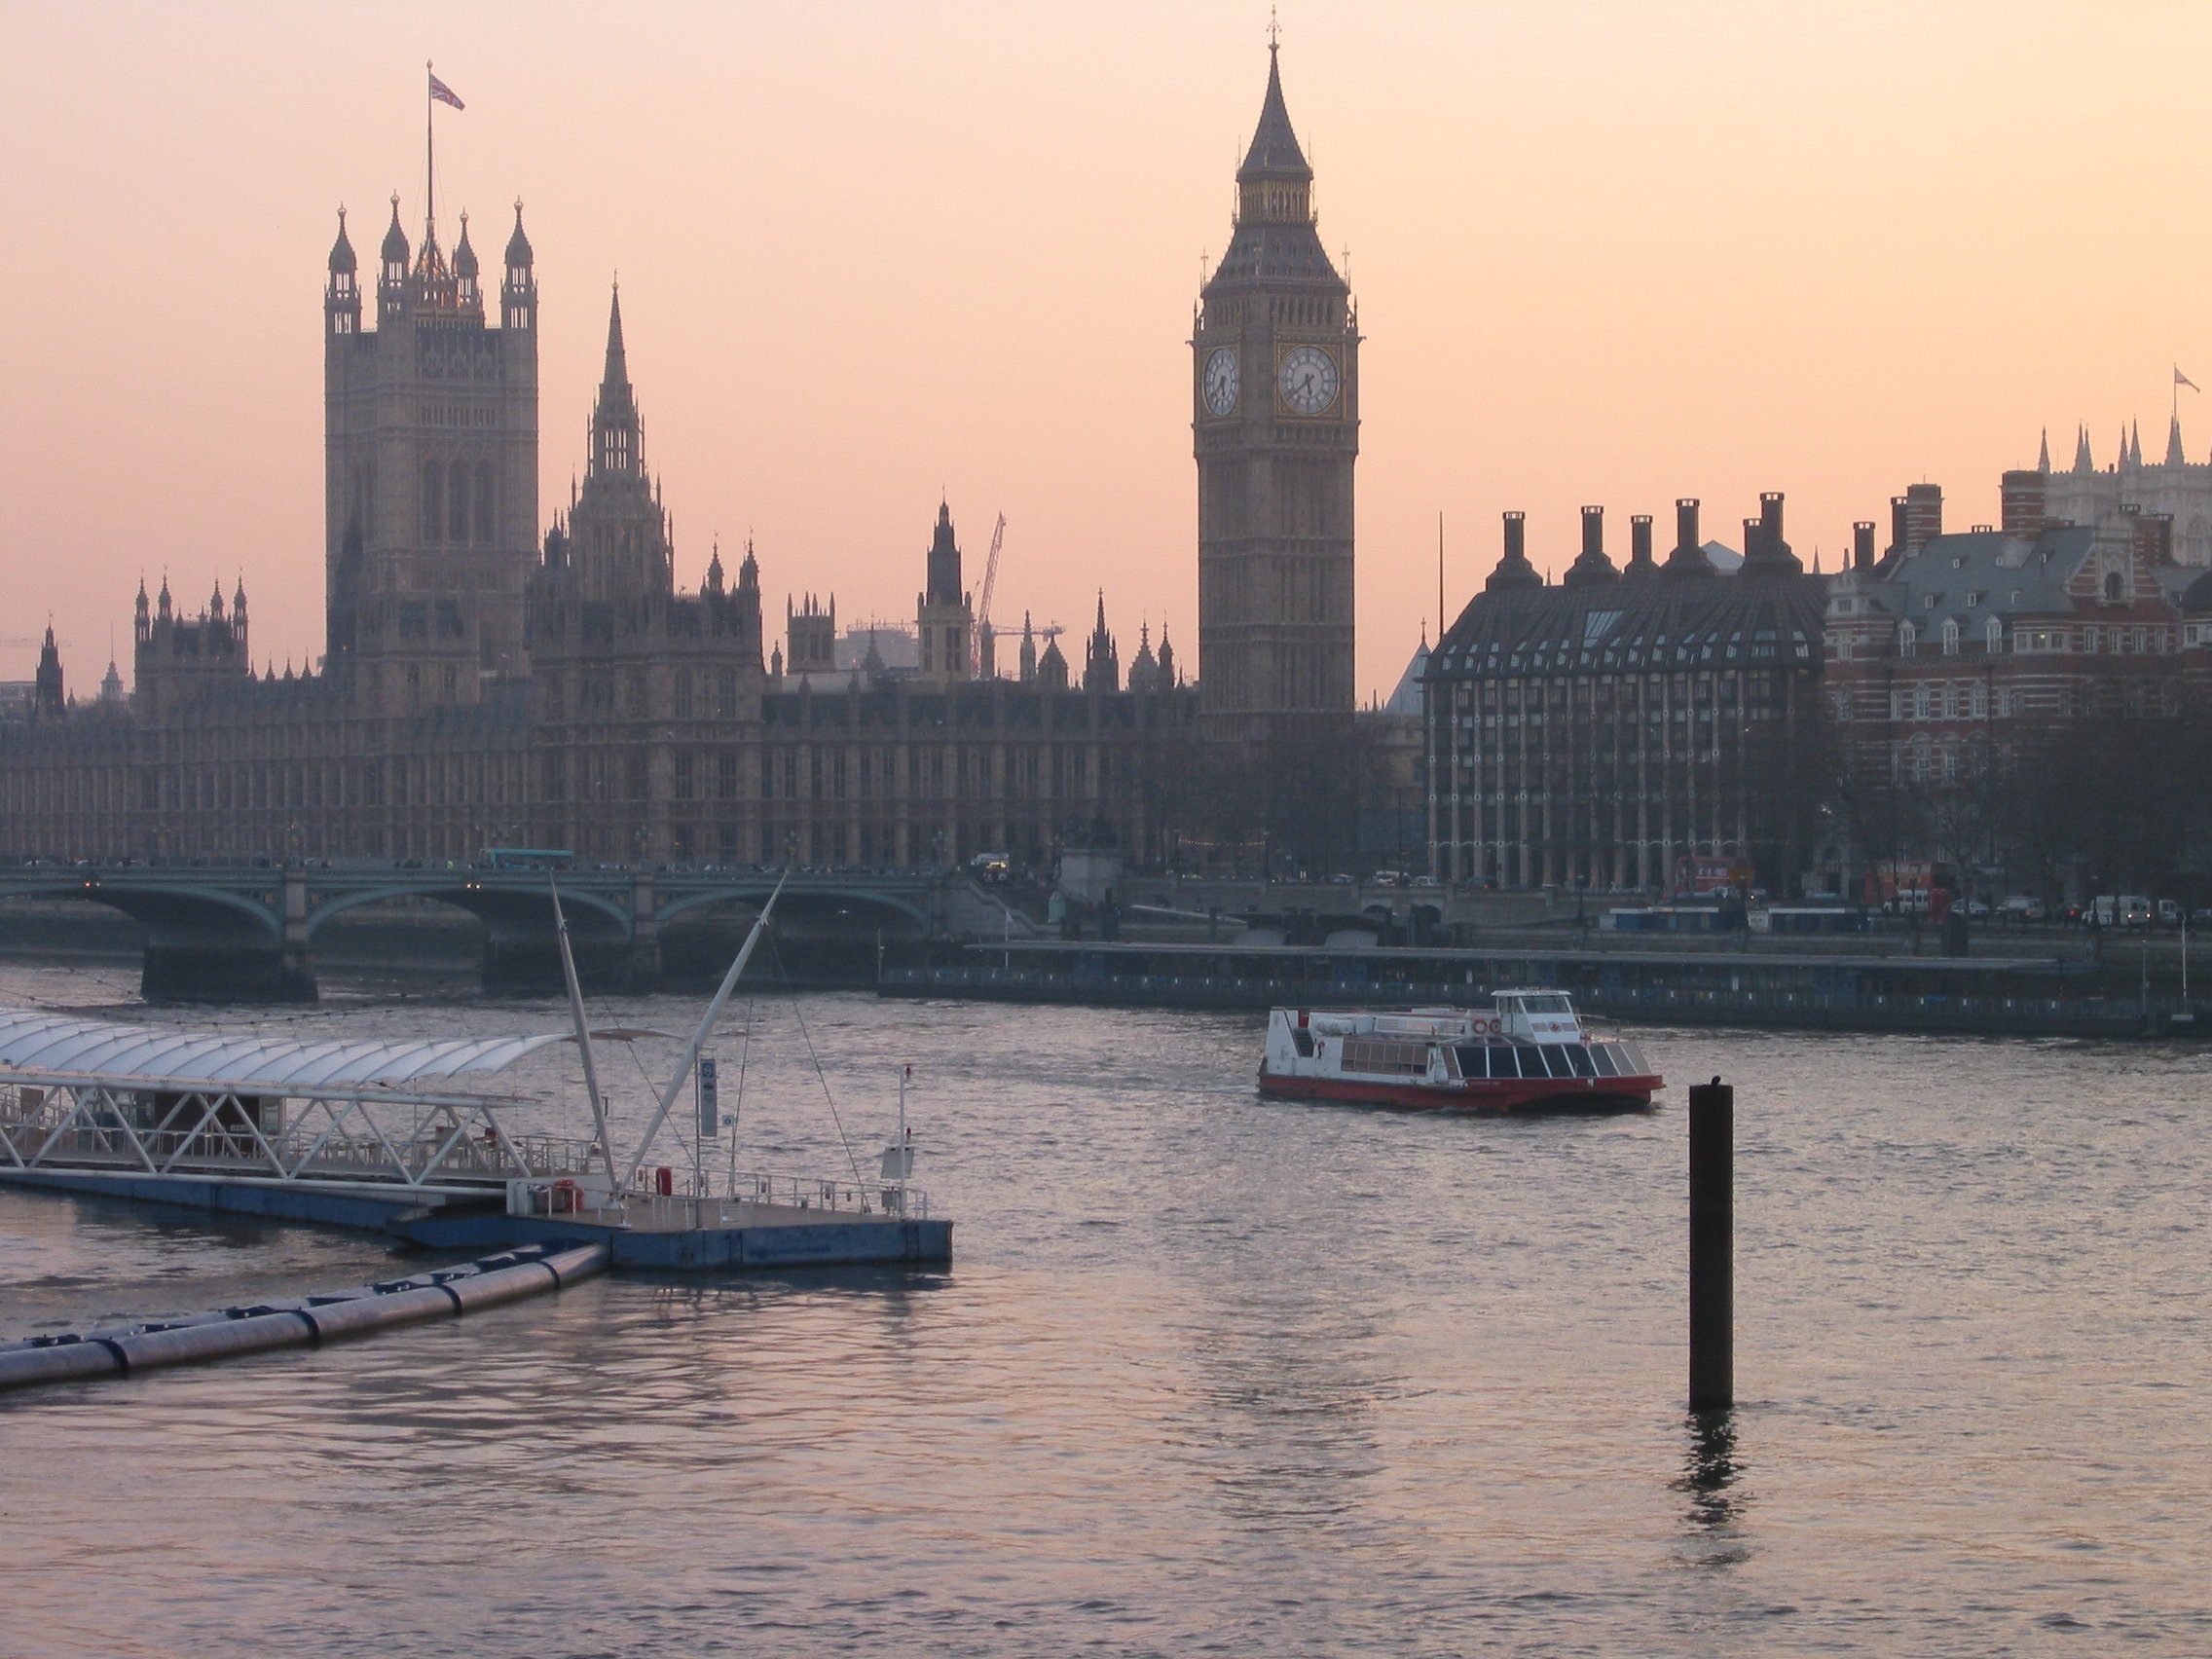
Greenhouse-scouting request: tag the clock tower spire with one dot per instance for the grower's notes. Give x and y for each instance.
(1275, 431)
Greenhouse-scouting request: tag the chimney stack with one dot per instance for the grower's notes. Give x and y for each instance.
(1862, 545)
(1685, 523)
(1898, 523)
(1593, 533)
(1923, 515)
(1515, 538)
(1639, 538)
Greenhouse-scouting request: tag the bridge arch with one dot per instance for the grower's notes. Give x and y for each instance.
(794, 898)
(207, 912)
(503, 909)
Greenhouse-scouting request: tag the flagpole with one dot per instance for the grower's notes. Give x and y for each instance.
(429, 156)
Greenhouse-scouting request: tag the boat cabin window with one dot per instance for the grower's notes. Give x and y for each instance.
(1577, 1059)
(1605, 1054)
(1546, 1005)
(1470, 1058)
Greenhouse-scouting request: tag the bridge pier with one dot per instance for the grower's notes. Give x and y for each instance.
(641, 975)
(188, 971)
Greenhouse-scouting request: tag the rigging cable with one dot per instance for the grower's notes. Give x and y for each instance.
(783, 974)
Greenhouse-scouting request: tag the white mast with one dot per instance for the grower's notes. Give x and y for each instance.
(699, 1038)
(583, 1036)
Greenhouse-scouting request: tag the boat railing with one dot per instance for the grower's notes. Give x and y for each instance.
(714, 1197)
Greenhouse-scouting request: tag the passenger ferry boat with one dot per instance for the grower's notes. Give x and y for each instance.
(1526, 1052)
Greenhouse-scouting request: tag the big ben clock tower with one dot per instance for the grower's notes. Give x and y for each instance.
(1274, 384)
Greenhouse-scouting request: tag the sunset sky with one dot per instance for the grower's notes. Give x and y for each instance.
(1603, 252)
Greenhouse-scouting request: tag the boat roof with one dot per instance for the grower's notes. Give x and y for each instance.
(43, 1041)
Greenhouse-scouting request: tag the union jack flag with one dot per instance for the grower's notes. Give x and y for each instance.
(444, 93)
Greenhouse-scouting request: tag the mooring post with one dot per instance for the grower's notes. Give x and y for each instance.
(1713, 1246)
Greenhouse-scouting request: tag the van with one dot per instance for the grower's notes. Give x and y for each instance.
(2134, 910)
(2023, 908)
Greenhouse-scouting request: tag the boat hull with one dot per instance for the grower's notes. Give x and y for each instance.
(1530, 1094)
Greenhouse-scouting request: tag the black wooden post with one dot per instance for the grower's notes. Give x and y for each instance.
(1713, 1248)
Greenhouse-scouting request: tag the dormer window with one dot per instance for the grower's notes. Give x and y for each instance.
(1950, 636)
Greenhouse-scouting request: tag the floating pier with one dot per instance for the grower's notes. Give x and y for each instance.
(348, 1133)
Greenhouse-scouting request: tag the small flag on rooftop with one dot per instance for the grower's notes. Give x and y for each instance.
(445, 93)
(2181, 378)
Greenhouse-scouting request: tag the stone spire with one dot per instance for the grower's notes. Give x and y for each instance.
(341, 262)
(942, 575)
(1101, 661)
(2083, 465)
(1028, 651)
(2174, 455)
(1275, 151)
(1166, 659)
(617, 446)
(2042, 456)
(49, 699)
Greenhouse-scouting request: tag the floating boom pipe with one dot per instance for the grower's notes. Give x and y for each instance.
(699, 1038)
(584, 1038)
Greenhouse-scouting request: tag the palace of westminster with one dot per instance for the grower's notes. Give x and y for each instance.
(485, 686)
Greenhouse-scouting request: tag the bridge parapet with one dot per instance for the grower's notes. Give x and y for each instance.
(248, 934)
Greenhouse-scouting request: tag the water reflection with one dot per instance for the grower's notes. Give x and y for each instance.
(1712, 1470)
(1209, 1375)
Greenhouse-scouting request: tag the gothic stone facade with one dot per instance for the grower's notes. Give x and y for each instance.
(1275, 429)
(580, 702)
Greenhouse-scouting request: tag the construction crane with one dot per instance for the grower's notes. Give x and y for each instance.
(983, 611)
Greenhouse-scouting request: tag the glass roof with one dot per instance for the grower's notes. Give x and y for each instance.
(37, 1040)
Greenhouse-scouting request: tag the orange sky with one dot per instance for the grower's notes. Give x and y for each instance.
(1608, 253)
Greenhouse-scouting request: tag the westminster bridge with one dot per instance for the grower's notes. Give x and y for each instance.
(248, 934)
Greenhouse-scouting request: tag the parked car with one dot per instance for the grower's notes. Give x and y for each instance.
(2024, 907)
(2169, 913)
(1978, 909)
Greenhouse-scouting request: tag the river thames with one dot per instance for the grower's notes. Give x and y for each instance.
(1209, 1374)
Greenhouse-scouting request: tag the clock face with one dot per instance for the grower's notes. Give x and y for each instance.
(1308, 379)
(1223, 377)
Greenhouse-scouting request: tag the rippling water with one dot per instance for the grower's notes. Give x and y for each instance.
(1208, 1374)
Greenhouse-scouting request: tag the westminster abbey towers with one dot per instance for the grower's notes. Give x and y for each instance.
(1275, 429)
(430, 433)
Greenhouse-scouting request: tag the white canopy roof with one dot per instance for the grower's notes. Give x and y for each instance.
(36, 1040)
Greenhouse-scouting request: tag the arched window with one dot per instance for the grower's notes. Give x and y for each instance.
(484, 503)
(434, 502)
(456, 502)
(1950, 636)
(2111, 587)
(1908, 637)
(1995, 635)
